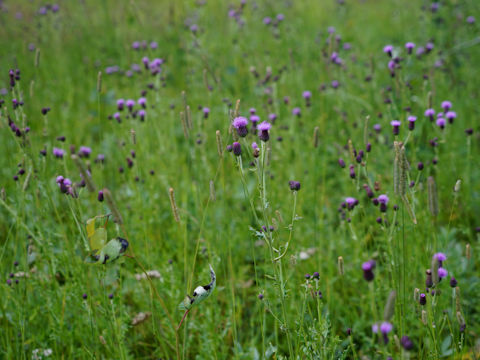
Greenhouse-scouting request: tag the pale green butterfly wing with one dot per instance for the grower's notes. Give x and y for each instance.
(113, 250)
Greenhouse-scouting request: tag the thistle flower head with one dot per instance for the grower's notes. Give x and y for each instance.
(446, 105)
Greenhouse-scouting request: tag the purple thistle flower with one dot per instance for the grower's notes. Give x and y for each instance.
(420, 51)
(136, 45)
(367, 268)
(383, 200)
(297, 112)
(331, 29)
(441, 123)
(84, 151)
(385, 328)
(240, 123)
(142, 102)
(396, 126)
(307, 94)
(470, 20)
(130, 104)
(237, 148)
(280, 17)
(442, 273)
(194, 28)
(294, 185)
(254, 146)
(409, 46)
(153, 45)
(264, 127)
(351, 202)
(430, 114)
(411, 122)
(388, 49)
(141, 114)
(117, 117)
(254, 119)
(252, 111)
(120, 104)
(267, 20)
(206, 112)
(335, 84)
(451, 115)
(272, 117)
(446, 105)
(377, 128)
(58, 153)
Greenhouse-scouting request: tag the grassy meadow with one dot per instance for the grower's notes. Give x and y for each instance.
(323, 157)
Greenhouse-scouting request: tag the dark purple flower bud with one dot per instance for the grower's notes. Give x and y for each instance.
(45, 110)
(110, 296)
(407, 344)
(351, 202)
(260, 296)
(367, 268)
(368, 148)
(316, 275)
(420, 166)
(237, 148)
(294, 185)
(307, 276)
(453, 282)
(84, 296)
(100, 196)
(423, 299)
(469, 131)
(352, 171)
(341, 163)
